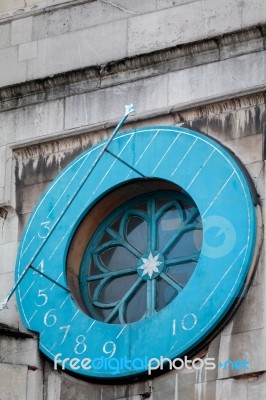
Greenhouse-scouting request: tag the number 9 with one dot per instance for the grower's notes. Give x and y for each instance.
(111, 346)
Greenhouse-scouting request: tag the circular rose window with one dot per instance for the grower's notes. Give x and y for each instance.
(141, 257)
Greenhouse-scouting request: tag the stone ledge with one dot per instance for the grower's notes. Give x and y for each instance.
(131, 69)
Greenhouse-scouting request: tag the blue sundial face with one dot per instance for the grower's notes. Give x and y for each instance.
(180, 259)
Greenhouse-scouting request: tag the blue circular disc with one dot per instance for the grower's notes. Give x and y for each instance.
(217, 185)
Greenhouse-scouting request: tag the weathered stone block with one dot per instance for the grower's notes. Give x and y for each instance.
(8, 253)
(172, 3)
(33, 2)
(93, 46)
(27, 51)
(58, 22)
(260, 273)
(34, 121)
(166, 386)
(241, 43)
(4, 35)
(231, 389)
(108, 104)
(10, 315)
(257, 173)
(19, 351)
(35, 385)
(2, 169)
(7, 5)
(98, 13)
(242, 346)
(254, 145)
(21, 31)
(6, 283)
(74, 388)
(31, 195)
(13, 382)
(53, 385)
(254, 15)
(256, 387)
(92, 14)
(10, 71)
(251, 313)
(180, 24)
(221, 17)
(9, 227)
(40, 27)
(136, 6)
(200, 83)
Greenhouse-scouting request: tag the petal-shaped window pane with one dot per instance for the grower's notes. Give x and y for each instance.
(161, 202)
(116, 224)
(144, 254)
(188, 244)
(116, 289)
(168, 225)
(181, 273)
(137, 233)
(141, 207)
(165, 294)
(118, 257)
(136, 308)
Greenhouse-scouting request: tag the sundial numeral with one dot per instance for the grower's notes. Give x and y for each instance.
(66, 328)
(109, 345)
(50, 319)
(40, 268)
(189, 322)
(44, 230)
(81, 346)
(43, 298)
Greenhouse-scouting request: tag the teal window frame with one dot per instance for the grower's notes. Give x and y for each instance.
(190, 222)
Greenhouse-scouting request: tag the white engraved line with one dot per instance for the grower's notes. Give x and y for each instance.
(52, 346)
(90, 326)
(180, 162)
(169, 148)
(144, 151)
(44, 198)
(56, 280)
(55, 249)
(69, 183)
(174, 327)
(199, 171)
(227, 271)
(25, 294)
(65, 300)
(22, 254)
(32, 315)
(97, 147)
(122, 330)
(210, 321)
(111, 166)
(50, 189)
(218, 194)
(89, 199)
(74, 316)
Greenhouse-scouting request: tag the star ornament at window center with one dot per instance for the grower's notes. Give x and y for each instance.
(150, 265)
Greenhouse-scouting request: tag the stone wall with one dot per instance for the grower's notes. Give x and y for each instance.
(66, 71)
(39, 42)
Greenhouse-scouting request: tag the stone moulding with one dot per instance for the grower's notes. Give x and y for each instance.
(131, 69)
